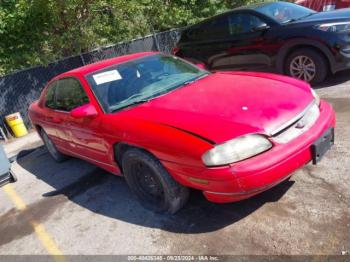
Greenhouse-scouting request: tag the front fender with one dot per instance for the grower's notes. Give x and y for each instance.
(166, 143)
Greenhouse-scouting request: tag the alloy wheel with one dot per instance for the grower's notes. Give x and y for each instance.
(303, 67)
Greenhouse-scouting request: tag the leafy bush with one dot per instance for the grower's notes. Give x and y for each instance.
(38, 31)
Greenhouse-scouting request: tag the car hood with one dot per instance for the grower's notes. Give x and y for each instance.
(336, 15)
(223, 106)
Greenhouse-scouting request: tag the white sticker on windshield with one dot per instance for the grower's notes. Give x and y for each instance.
(106, 77)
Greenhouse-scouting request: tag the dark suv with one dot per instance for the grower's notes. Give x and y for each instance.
(281, 36)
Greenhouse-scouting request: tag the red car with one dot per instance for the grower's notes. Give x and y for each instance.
(324, 5)
(167, 125)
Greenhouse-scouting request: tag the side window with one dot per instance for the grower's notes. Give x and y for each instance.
(50, 95)
(218, 28)
(214, 29)
(195, 34)
(70, 94)
(243, 23)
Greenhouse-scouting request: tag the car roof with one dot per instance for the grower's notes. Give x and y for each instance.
(87, 69)
(255, 6)
(251, 7)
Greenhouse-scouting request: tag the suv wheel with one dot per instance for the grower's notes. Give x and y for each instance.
(151, 183)
(308, 65)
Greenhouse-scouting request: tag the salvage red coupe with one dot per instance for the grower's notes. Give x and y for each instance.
(167, 125)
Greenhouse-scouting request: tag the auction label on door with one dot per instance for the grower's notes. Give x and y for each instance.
(106, 77)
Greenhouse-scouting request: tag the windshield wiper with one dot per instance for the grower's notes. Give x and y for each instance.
(307, 16)
(195, 80)
(117, 108)
(297, 19)
(289, 21)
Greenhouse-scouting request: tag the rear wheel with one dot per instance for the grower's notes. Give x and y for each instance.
(51, 148)
(152, 184)
(13, 177)
(308, 65)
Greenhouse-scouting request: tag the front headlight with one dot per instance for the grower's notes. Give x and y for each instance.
(236, 150)
(339, 27)
(317, 98)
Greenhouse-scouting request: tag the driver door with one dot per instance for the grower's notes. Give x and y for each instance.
(81, 134)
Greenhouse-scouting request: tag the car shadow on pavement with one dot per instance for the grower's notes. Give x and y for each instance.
(108, 195)
(336, 79)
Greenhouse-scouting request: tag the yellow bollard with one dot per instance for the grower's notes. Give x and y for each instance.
(15, 122)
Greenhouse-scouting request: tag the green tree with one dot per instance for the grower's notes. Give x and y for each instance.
(35, 32)
(22, 32)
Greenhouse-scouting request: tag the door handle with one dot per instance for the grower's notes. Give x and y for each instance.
(56, 120)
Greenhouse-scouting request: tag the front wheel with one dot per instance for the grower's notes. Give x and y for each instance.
(308, 65)
(151, 183)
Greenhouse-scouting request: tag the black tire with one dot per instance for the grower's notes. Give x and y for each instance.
(13, 177)
(52, 149)
(320, 65)
(151, 183)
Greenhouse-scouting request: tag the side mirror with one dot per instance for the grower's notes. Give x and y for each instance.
(84, 111)
(261, 27)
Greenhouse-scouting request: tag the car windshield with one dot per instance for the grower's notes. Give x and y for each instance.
(284, 12)
(140, 80)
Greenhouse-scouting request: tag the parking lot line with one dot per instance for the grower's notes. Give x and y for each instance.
(45, 238)
(47, 241)
(20, 205)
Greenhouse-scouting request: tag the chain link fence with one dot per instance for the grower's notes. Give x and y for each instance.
(20, 89)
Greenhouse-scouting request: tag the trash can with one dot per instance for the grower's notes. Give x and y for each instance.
(6, 175)
(15, 122)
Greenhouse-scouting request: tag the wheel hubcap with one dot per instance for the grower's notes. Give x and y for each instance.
(303, 67)
(148, 182)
